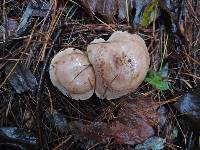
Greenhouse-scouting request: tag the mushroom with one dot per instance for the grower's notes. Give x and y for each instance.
(71, 72)
(120, 64)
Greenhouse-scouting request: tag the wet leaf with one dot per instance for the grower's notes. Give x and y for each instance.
(153, 143)
(21, 78)
(122, 133)
(58, 121)
(156, 80)
(189, 105)
(143, 107)
(133, 124)
(18, 136)
(11, 27)
(165, 71)
(109, 8)
(150, 13)
(164, 116)
(25, 20)
(139, 6)
(42, 9)
(171, 7)
(32, 10)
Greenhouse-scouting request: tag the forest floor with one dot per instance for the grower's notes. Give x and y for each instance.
(162, 113)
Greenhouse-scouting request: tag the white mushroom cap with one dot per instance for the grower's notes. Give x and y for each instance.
(71, 72)
(120, 64)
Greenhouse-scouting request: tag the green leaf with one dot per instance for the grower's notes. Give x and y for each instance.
(156, 80)
(150, 13)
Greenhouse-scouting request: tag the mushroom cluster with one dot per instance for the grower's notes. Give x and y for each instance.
(113, 68)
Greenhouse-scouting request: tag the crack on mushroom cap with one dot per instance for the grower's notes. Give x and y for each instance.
(72, 73)
(120, 64)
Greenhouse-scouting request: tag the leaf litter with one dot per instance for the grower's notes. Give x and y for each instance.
(153, 143)
(21, 78)
(189, 106)
(175, 28)
(109, 8)
(133, 124)
(19, 137)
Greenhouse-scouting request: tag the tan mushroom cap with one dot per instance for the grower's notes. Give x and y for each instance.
(71, 72)
(120, 64)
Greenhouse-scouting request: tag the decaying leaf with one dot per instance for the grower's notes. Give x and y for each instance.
(164, 71)
(164, 116)
(11, 27)
(139, 7)
(150, 13)
(143, 107)
(21, 78)
(189, 105)
(134, 124)
(57, 120)
(32, 10)
(153, 143)
(42, 9)
(122, 133)
(109, 8)
(25, 20)
(18, 136)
